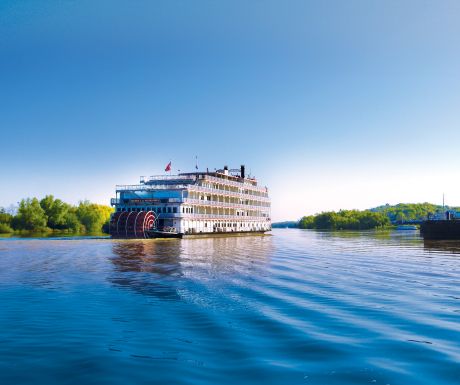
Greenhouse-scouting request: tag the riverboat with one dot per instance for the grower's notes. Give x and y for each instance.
(197, 203)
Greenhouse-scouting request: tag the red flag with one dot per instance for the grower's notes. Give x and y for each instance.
(168, 167)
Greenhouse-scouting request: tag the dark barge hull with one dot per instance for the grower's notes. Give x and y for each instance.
(443, 229)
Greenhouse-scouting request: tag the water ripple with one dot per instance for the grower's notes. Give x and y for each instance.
(298, 307)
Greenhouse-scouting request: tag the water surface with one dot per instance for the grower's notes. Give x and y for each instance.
(298, 307)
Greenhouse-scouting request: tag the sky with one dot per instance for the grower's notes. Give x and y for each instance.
(331, 104)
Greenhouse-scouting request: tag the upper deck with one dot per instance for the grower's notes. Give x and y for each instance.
(221, 181)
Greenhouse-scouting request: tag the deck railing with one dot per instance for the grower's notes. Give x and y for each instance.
(146, 187)
(212, 216)
(223, 204)
(152, 178)
(195, 188)
(116, 201)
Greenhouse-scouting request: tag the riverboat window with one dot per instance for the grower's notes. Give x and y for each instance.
(174, 209)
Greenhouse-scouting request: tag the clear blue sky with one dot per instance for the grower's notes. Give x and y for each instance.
(332, 104)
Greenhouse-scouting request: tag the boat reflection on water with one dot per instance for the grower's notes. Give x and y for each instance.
(438, 246)
(160, 267)
(140, 264)
(153, 256)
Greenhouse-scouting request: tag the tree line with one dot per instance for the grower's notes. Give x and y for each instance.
(404, 212)
(345, 220)
(378, 217)
(50, 214)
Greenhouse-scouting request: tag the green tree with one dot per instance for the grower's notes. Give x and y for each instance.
(30, 215)
(345, 220)
(5, 229)
(5, 221)
(5, 217)
(57, 212)
(93, 216)
(307, 222)
(327, 220)
(71, 221)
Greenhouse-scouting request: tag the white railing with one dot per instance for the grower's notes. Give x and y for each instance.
(146, 187)
(195, 188)
(222, 204)
(227, 193)
(219, 216)
(235, 184)
(146, 179)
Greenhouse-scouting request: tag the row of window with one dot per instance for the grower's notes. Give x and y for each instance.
(158, 210)
(239, 190)
(231, 201)
(225, 224)
(172, 210)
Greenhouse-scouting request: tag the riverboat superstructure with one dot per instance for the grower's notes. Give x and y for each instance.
(223, 201)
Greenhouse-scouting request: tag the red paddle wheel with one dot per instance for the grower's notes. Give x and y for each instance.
(133, 224)
(117, 224)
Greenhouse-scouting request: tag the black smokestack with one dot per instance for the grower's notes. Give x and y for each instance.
(242, 171)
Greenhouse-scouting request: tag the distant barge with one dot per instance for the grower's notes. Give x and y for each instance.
(440, 229)
(444, 227)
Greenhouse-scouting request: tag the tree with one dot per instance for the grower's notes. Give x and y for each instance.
(56, 211)
(93, 216)
(5, 221)
(72, 222)
(5, 217)
(345, 220)
(30, 215)
(307, 222)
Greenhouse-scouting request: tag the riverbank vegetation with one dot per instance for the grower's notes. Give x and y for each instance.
(378, 217)
(50, 214)
(407, 212)
(345, 220)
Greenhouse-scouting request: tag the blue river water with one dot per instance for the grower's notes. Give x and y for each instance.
(296, 307)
